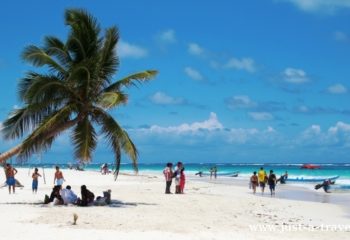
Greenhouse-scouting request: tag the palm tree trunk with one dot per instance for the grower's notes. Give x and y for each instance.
(10, 153)
(15, 150)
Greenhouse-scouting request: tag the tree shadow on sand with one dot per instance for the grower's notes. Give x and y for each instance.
(114, 204)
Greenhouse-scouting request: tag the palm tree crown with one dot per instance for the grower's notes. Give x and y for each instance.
(76, 92)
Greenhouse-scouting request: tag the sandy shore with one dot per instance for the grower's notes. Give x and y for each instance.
(141, 210)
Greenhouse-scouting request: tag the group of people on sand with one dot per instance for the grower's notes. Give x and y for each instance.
(261, 179)
(178, 174)
(65, 196)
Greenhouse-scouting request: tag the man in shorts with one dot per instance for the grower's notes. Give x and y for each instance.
(59, 179)
(272, 182)
(10, 177)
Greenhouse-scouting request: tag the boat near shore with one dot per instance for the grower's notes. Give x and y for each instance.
(313, 179)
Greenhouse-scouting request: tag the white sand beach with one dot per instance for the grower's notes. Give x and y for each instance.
(141, 210)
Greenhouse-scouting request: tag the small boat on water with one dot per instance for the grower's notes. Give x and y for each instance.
(313, 179)
(310, 166)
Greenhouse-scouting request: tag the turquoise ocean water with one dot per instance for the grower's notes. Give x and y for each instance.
(245, 170)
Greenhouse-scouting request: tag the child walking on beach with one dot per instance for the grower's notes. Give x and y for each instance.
(35, 176)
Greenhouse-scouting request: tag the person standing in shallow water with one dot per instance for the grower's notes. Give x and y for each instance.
(35, 182)
(168, 174)
(10, 173)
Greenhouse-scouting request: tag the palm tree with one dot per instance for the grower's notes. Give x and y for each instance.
(76, 93)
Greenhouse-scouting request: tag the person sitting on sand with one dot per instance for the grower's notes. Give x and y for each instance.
(68, 196)
(105, 200)
(200, 173)
(168, 174)
(87, 197)
(55, 196)
(272, 182)
(262, 176)
(10, 173)
(35, 182)
(58, 179)
(254, 182)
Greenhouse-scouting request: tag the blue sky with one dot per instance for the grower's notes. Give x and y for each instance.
(239, 81)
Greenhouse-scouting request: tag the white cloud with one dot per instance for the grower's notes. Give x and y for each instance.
(327, 6)
(303, 109)
(164, 99)
(246, 64)
(295, 76)
(193, 73)
(211, 124)
(270, 129)
(128, 50)
(340, 36)
(195, 49)
(337, 135)
(207, 131)
(168, 36)
(261, 116)
(241, 101)
(339, 127)
(337, 89)
(313, 130)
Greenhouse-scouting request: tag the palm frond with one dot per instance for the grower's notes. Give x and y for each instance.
(45, 88)
(38, 57)
(109, 60)
(131, 80)
(85, 30)
(55, 47)
(116, 137)
(84, 139)
(43, 135)
(109, 100)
